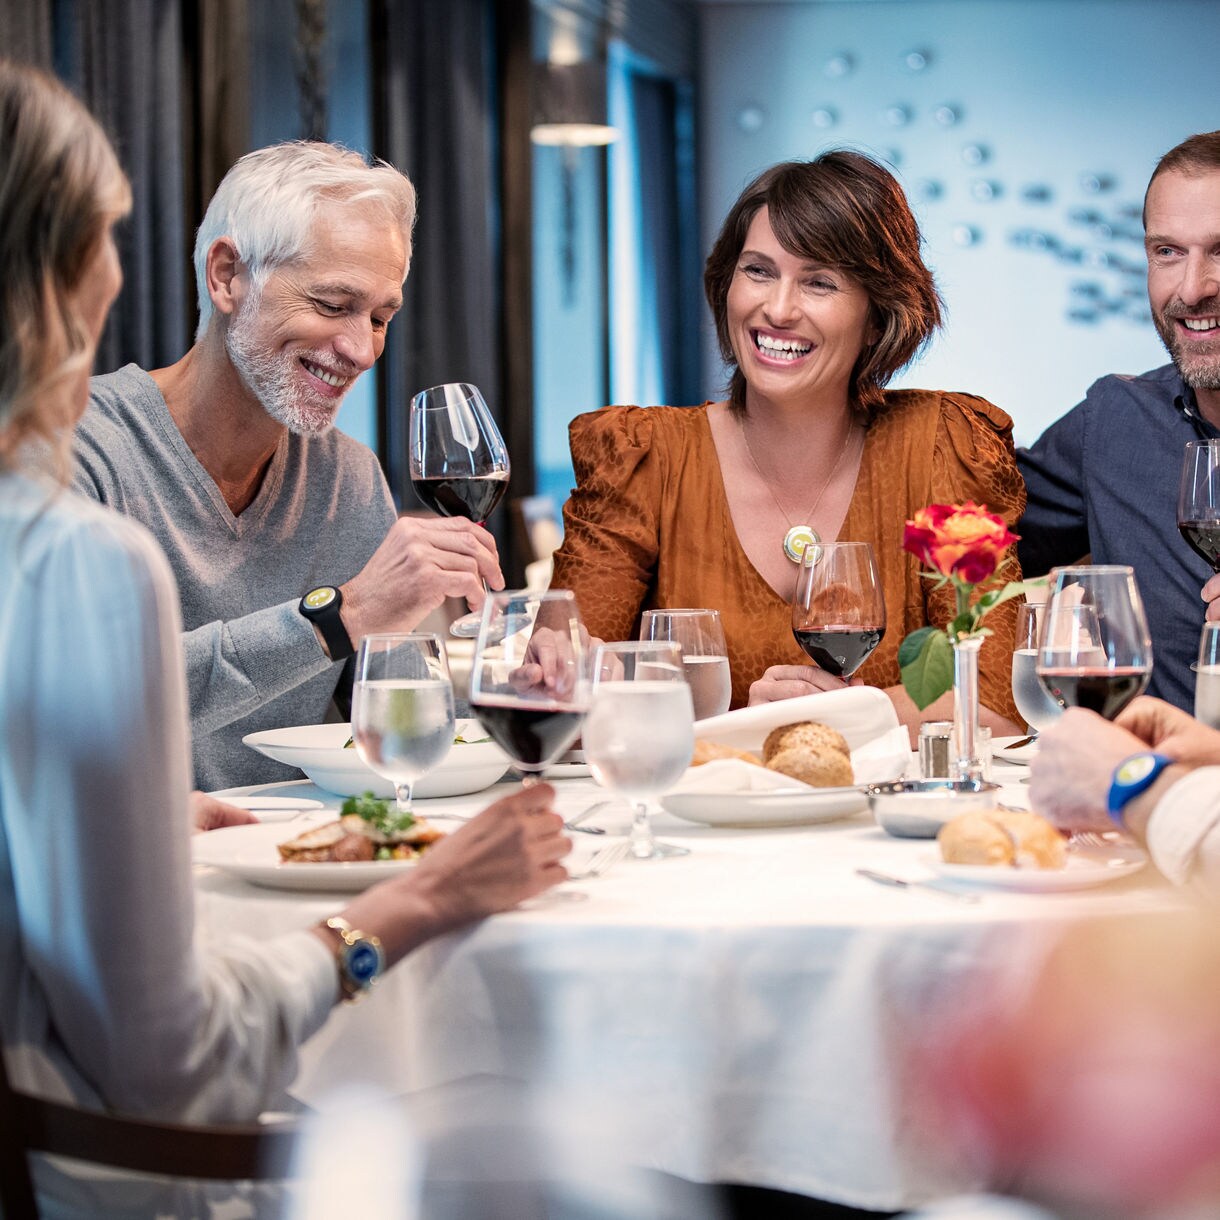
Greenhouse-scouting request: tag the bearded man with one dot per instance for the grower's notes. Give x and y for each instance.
(280, 530)
(1104, 479)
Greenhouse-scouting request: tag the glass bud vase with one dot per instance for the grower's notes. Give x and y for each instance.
(969, 762)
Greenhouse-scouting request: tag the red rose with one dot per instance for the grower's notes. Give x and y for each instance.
(965, 541)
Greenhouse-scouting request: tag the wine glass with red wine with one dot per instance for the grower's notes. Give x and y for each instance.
(1095, 650)
(838, 615)
(458, 461)
(1199, 500)
(530, 681)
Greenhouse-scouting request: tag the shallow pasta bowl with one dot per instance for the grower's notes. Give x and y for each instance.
(318, 750)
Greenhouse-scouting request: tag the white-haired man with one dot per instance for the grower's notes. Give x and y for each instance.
(280, 530)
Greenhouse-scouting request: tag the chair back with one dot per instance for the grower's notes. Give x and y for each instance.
(246, 1152)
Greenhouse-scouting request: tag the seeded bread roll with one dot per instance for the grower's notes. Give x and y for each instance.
(1002, 837)
(806, 734)
(709, 751)
(822, 768)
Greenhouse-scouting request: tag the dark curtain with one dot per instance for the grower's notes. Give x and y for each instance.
(434, 92)
(166, 78)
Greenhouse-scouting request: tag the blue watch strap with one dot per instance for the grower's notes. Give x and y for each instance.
(1132, 776)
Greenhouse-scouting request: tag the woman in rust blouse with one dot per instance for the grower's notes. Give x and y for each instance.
(819, 295)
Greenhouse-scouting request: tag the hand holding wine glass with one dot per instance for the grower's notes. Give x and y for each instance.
(639, 735)
(838, 614)
(529, 682)
(402, 708)
(705, 659)
(1095, 650)
(458, 460)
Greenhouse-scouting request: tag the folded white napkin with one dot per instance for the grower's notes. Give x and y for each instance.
(860, 713)
(883, 758)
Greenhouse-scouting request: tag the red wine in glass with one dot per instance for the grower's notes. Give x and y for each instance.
(1199, 500)
(839, 649)
(1104, 691)
(532, 736)
(471, 496)
(838, 614)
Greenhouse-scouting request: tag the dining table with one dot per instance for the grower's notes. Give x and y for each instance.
(745, 1013)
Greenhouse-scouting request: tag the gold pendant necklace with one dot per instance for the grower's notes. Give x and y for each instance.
(800, 536)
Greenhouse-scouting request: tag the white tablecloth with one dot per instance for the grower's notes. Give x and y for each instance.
(744, 1007)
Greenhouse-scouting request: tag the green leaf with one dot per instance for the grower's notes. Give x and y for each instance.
(926, 660)
(1014, 588)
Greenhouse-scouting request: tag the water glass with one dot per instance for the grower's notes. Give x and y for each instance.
(402, 707)
(705, 659)
(639, 734)
(1033, 702)
(1207, 677)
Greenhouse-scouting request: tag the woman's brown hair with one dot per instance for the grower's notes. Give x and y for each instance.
(847, 211)
(60, 188)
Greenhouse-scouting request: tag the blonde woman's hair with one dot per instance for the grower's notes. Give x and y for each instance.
(61, 187)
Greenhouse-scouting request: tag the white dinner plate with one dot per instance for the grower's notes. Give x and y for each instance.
(273, 808)
(249, 852)
(778, 807)
(317, 749)
(1002, 749)
(1085, 868)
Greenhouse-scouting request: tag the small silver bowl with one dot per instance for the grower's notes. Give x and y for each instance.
(918, 808)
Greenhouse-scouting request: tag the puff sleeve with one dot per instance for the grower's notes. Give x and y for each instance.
(974, 459)
(611, 533)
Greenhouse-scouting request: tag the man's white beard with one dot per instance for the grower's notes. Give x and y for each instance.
(274, 378)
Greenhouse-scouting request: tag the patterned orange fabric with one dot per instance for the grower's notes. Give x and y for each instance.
(648, 526)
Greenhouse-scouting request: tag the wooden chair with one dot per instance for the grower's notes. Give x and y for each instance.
(250, 1152)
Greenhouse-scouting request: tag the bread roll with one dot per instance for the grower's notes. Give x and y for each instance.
(807, 734)
(1002, 837)
(709, 751)
(822, 768)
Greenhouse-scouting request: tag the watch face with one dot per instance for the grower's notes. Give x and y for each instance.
(363, 963)
(1134, 769)
(316, 599)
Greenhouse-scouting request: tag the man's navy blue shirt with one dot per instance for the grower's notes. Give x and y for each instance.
(1103, 480)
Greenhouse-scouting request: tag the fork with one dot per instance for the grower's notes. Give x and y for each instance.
(602, 859)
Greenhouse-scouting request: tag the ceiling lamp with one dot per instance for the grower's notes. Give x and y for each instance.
(570, 104)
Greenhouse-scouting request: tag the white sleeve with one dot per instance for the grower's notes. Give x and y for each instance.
(1184, 830)
(97, 823)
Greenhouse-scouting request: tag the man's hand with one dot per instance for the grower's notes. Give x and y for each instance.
(1171, 731)
(1211, 595)
(1071, 773)
(789, 681)
(420, 562)
(209, 813)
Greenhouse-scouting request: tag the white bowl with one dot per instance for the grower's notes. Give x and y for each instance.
(918, 808)
(317, 749)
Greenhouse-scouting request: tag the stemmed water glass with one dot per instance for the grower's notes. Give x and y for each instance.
(1199, 500)
(402, 708)
(1035, 705)
(705, 661)
(458, 461)
(529, 681)
(639, 734)
(838, 614)
(1095, 651)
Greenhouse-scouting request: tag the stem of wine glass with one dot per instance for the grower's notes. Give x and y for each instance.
(403, 794)
(642, 842)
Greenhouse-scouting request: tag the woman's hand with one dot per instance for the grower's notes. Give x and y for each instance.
(789, 681)
(208, 813)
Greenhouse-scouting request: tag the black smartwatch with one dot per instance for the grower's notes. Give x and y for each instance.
(321, 607)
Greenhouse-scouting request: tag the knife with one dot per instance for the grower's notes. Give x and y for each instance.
(902, 883)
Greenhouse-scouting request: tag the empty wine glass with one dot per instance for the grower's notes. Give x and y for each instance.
(1034, 704)
(1199, 500)
(458, 461)
(639, 734)
(705, 661)
(402, 708)
(1095, 650)
(838, 614)
(529, 681)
